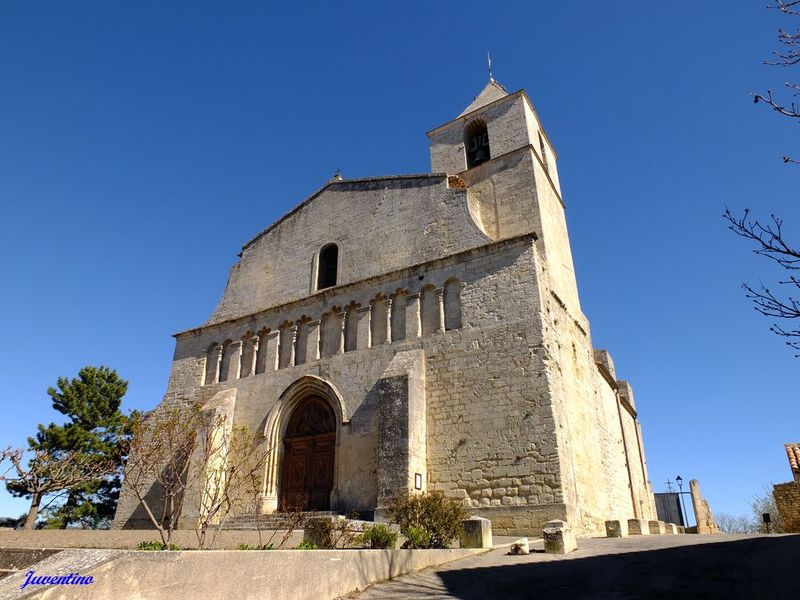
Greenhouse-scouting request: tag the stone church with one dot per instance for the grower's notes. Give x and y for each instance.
(424, 332)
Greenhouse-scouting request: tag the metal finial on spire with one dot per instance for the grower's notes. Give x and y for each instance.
(489, 59)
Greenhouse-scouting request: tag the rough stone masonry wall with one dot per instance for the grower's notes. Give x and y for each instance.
(488, 357)
(491, 438)
(787, 497)
(380, 225)
(517, 191)
(592, 454)
(640, 491)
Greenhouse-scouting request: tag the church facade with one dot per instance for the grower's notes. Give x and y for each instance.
(424, 333)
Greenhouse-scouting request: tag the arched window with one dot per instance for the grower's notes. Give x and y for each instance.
(261, 356)
(225, 365)
(211, 375)
(399, 316)
(429, 305)
(476, 143)
(327, 266)
(452, 304)
(247, 355)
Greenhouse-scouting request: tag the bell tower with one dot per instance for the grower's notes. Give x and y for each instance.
(498, 147)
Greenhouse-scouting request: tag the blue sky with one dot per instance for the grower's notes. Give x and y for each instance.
(141, 144)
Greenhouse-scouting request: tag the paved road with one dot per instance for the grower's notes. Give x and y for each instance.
(678, 567)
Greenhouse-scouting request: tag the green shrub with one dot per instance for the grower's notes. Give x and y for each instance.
(256, 547)
(146, 545)
(329, 534)
(378, 537)
(427, 520)
(304, 545)
(416, 537)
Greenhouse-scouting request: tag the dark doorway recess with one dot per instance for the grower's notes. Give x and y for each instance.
(308, 453)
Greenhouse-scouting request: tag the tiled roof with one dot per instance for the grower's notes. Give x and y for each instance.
(793, 452)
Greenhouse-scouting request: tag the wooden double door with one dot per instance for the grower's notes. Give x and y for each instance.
(308, 457)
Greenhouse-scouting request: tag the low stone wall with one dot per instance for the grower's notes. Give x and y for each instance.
(129, 539)
(13, 559)
(787, 497)
(520, 520)
(222, 574)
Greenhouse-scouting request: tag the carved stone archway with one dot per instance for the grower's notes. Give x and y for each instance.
(278, 421)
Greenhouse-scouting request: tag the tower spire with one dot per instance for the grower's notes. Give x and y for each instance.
(489, 60)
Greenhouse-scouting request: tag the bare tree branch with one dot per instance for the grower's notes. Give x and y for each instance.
(49, 473)
(787, 7)
(769, 241)
(787, 56)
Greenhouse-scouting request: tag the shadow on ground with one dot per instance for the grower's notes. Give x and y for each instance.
(763, 568)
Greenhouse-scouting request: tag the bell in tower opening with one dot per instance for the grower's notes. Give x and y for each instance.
(476, 143)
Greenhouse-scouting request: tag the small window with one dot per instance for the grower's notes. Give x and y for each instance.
(476, 143)
(327, 266)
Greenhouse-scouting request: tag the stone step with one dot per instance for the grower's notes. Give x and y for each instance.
(273, 521)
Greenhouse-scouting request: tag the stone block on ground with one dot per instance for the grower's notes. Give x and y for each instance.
(638, 527)
(521, 546)
(476, 532)
(616, 528)
(656, 527)
(558, 538)
(669, 528)
(681, 529)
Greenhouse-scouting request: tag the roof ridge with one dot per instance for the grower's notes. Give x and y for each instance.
(337, 181)
(491, 91)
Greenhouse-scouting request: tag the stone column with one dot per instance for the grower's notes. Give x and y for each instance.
(292, 345)
(388, 338)
(218, 363)
(413, 316)
(342, 329)
(254, 340)
(271, 362)
(702, 511)
(312, 343)
(440, 298)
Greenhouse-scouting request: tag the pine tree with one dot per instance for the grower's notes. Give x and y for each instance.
(96, 428)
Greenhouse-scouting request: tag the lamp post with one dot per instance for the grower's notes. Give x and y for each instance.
(679, 481)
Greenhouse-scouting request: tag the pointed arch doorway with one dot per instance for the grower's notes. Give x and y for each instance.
(309, 446)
